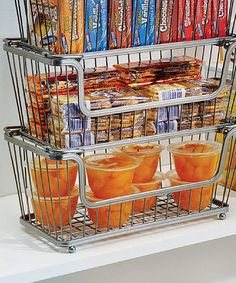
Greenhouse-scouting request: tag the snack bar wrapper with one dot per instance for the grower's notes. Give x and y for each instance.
(183, 20)
(219, 18)
(167, 127)
(96, 25)
(203, 19)
(164, 15)
(120, 24)
(143, 25)
(57, 25)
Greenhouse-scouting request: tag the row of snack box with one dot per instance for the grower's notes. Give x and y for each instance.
(93, 25)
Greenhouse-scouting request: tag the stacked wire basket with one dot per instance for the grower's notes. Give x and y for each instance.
(39, 151)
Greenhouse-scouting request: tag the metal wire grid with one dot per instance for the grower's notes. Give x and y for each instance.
(81, 229)
(44, 31)
(38, 98)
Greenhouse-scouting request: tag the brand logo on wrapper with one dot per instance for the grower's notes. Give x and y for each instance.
(205, 19)
(145, 12)
(121, 9)
(187, 21)
(164, 10)
(221, 9)
(73, 5)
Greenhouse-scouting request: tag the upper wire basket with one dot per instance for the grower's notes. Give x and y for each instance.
(77, 26)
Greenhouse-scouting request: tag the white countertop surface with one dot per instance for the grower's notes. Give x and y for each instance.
(25, 258)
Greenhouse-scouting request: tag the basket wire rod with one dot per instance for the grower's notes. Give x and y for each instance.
(89, 204)
(19, 18)
(209, 61)
(20, 64)
(15, 84)
(148, 105)
(45, 23)
(232, 93)
(16, 181)
(24, 180)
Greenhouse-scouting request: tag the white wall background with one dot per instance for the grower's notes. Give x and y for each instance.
(8, 113)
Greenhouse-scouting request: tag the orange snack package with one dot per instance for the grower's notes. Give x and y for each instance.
(195, 161)
(57, 25)
(194, 200)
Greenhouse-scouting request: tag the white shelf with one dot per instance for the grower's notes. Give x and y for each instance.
(24, 257)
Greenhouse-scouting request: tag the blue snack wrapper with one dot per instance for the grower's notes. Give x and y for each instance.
(96, 25)
(143, 23)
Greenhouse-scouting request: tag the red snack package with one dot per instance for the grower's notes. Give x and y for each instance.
(164, 18)
(219, 18)
(203, 19)
(120, 23)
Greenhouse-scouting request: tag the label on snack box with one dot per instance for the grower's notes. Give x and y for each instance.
(96, 25)
(203, 19)
(143, 26)
(219, 18)
(164, 15)
(171, 112)
(79, 139)
(167, 127)
(120, 23)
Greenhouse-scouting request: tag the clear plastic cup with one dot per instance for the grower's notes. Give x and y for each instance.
(200, 197)
(112, 217)
(110, 175)
(55, 211)
(148, 203)
(195, 161)
(53, 178)
(149, 155)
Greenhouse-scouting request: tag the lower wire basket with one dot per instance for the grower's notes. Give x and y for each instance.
(56, 203)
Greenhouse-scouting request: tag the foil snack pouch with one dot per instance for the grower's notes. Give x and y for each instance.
(96, 18)
(219, 18)
(203, 19)
(143, 25)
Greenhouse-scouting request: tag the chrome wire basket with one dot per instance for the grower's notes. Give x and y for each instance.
(74, 105)
(65, 223)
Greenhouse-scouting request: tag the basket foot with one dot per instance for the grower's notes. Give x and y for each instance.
(222, 216)
(72, 249)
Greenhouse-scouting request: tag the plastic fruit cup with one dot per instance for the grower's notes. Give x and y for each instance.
(119, 213)
(195, 161)
(148, 203)
(200, 197)
(55, 211)
(110, 175)
(56, 176)
(149, 155)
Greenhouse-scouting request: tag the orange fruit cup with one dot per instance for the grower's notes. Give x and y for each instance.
(110, 175)
(119, 213)
(200, 197)
(55, 211)
(195, 161)
(149, 155)
(154, 184)
(57, 177)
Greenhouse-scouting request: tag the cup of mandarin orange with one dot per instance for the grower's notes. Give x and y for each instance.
(55, 211)
(112, 216)
(53, 178)
(149, 155)
(148, 203)
(110, 174)
(194, 200)
(195, 161)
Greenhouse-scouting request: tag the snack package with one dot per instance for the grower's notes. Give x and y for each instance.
(183, 20)
(203, 19)
(57, 25)
(96, 25)
(167, 127)
(219, 18)
(143, 24)
(164, 16)
(120, 24)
